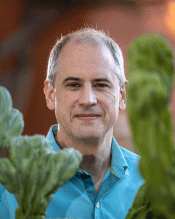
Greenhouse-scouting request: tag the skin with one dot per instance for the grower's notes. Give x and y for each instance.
(86, 99)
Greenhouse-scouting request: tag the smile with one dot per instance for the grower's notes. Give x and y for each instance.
(87, 117)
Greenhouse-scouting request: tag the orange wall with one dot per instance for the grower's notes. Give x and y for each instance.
(123, 23)
(10, 17)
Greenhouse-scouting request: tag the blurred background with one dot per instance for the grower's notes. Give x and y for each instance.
(29, 29)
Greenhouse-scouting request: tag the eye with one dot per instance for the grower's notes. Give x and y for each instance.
(101, 85)
(73, 85)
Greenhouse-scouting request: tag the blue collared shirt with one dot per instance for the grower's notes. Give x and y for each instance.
(78, 199)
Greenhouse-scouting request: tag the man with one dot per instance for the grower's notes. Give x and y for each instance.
(85, 86)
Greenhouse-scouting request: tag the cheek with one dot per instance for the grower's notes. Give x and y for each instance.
(110, 103)
(111, 97)
(65, 105)
(60, 106)
(63, 100)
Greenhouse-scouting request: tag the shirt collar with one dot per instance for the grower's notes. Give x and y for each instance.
(119, 166)
(51, 138)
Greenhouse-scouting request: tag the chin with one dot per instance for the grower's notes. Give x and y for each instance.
(89, 137)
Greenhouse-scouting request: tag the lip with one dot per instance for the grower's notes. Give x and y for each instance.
(87, 117)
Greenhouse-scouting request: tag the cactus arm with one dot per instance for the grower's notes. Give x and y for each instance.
(34, 177)
(11, 120)
(33, 172)
(150, 82)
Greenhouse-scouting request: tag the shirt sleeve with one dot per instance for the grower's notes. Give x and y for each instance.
(4, 206)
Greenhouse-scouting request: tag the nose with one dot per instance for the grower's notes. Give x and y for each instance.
(87, 97)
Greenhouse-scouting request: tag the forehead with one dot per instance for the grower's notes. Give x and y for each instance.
(86, 59)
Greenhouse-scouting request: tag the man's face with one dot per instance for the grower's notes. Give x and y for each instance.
(87, 96)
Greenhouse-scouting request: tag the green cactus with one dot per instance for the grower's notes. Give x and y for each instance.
(33, 172)
(11, 120)
(151, 73)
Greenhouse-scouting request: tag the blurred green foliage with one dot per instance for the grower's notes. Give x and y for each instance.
(11, 120)
(33, 172)
(151, 73)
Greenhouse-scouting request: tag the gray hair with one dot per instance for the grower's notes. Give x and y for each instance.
(96, 38)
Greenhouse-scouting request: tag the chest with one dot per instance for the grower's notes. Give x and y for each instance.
(78, 198)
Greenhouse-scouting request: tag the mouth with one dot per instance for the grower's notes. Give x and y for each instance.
(87, 117)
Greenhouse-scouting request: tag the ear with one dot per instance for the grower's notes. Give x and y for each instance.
(49, 95)
(122, 100)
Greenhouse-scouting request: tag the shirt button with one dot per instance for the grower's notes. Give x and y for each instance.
(80, 171)
(97, 205)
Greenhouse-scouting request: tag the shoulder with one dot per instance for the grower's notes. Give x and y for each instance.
(1, 191)
(129, 154)
(8, 204)
(122, 155)
(132, 160)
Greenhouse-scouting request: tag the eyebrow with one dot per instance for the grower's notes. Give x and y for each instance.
(102, 79)
(72, 78)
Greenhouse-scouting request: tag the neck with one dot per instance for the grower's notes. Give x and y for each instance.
(96, 154)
